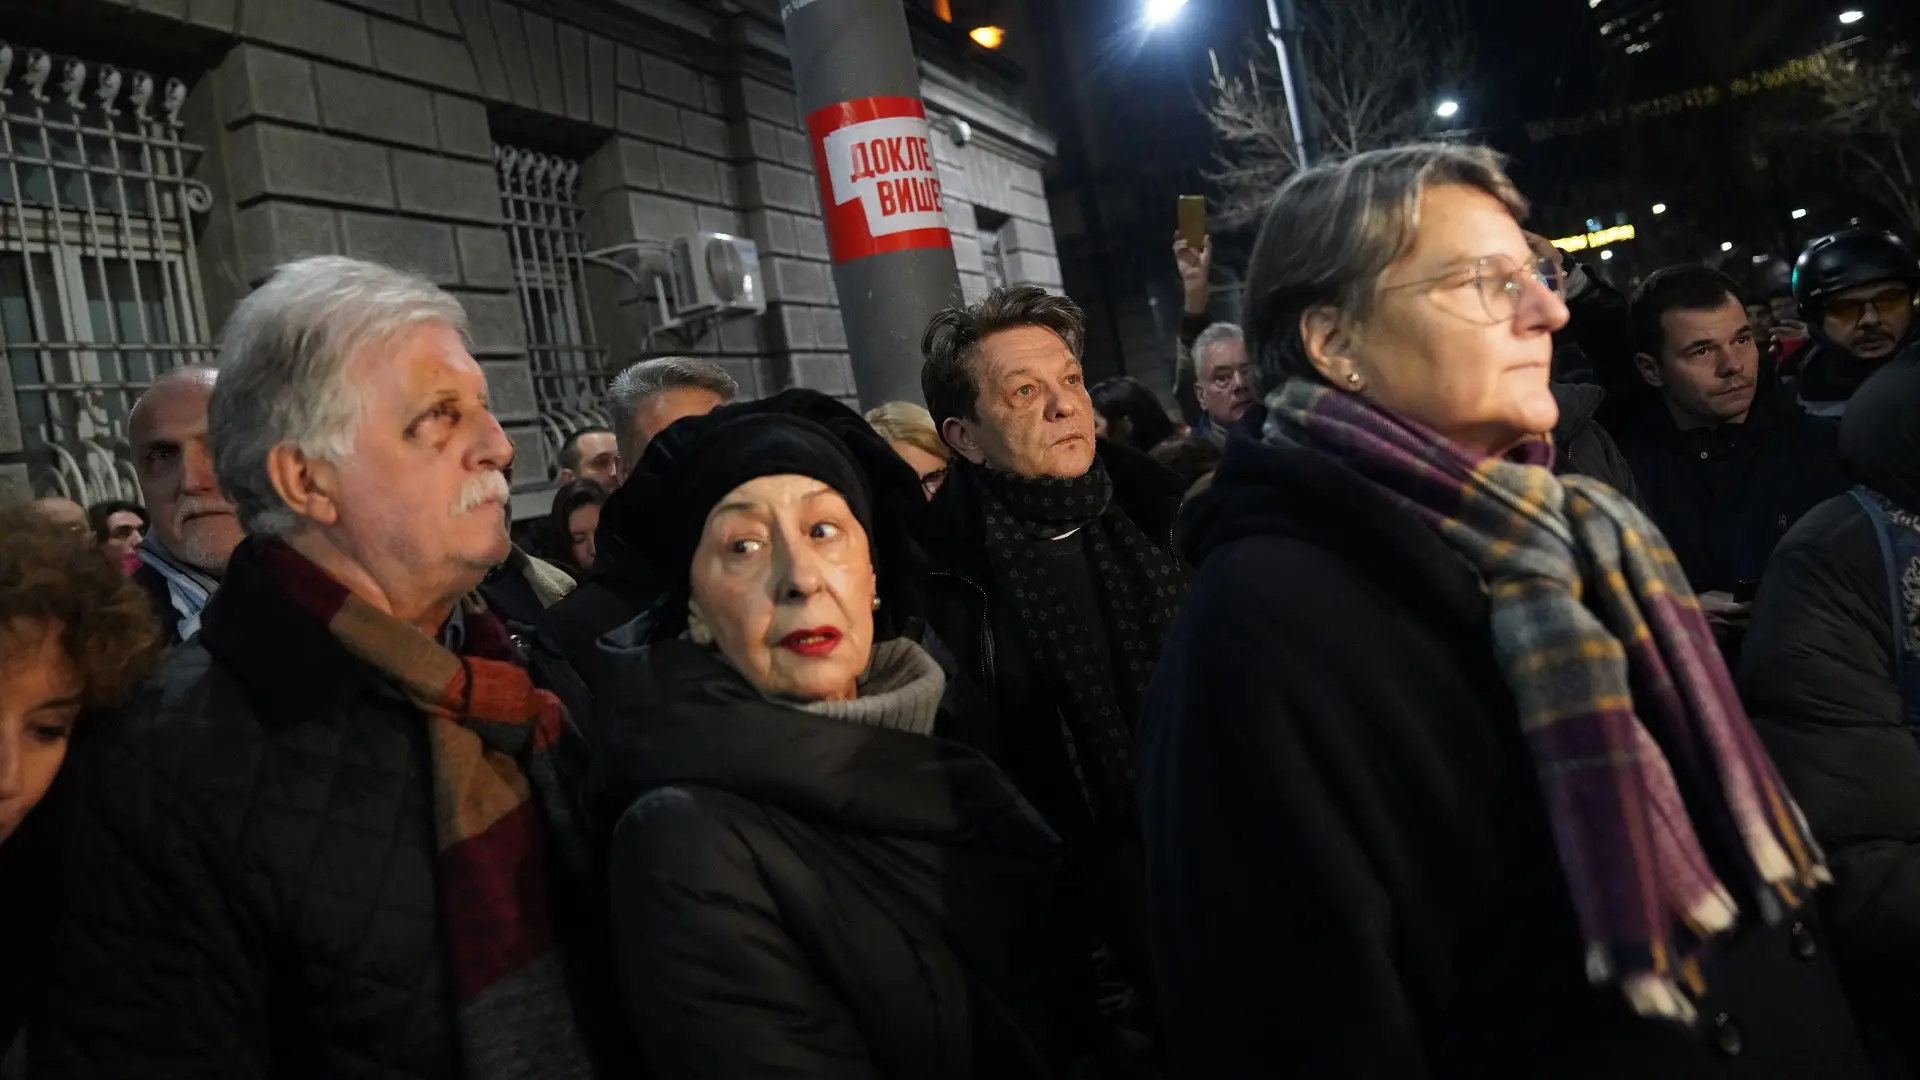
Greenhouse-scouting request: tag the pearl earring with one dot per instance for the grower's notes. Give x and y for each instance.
(876, 603)
(1353, 379)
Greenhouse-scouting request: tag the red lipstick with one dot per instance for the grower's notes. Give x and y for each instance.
(816, 642)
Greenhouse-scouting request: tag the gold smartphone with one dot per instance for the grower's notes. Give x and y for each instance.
(1193, 220)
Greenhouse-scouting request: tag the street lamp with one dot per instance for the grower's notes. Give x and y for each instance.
(1798, 214)
(1727, 246)
(1848, 18)
(1659, 208)
(1607, 254)
(1447, 110)
(1159, 11)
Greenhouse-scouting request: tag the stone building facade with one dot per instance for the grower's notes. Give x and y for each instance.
(160, 157)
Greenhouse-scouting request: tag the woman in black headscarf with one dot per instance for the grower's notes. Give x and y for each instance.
(1831, 673)
(806, 879)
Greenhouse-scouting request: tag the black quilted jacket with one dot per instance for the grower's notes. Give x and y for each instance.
(250, 881)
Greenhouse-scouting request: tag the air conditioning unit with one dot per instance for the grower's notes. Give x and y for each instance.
(716, 273)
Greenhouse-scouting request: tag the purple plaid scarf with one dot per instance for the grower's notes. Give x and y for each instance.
(1604, 647)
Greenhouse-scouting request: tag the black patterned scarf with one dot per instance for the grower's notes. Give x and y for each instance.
(1140, 586)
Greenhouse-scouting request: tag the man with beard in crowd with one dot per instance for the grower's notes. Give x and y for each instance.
(329, 838)
(194, 528)
(1856, 289)
(592, 453)
(1055, 583)
(1725, 463)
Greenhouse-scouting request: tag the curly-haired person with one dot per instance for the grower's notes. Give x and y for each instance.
(75, 637)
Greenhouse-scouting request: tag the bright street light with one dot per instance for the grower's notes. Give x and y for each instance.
(1659, 208)
(1159, 11)
(1727, 246)
(1447, 110)
(1758, 259)
(1848, 18)
(1798, 214)
(1607, 254)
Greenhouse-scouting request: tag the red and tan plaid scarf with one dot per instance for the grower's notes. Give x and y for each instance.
(499, 816)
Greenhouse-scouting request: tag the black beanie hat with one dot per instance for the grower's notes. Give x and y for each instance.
(661, 511)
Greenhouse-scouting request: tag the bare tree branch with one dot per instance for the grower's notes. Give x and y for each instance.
(1374, 69)
(1864, 110)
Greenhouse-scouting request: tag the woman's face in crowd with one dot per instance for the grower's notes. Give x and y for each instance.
(1446, 345)
(124, 533)
(581, 524)
(39, 700)
(784, 583)
(930, 468)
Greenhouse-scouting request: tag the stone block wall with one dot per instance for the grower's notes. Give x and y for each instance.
(367, 128)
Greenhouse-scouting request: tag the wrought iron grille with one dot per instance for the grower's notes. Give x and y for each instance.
(99, 284)
(542, 201)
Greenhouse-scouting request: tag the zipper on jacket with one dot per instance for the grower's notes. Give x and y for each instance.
(986, 632)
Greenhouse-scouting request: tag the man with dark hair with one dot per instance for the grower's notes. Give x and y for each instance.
(118, 527)
(1054, 581)
(1856, 288)
(1725, 463)
(590, 453)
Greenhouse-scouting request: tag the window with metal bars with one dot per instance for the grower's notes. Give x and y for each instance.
(99, 283)
(541, 196)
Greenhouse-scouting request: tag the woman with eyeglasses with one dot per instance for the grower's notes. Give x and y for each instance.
(1442, 774)
(908, 428)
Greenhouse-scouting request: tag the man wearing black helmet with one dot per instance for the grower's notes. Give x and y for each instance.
(1856, 288)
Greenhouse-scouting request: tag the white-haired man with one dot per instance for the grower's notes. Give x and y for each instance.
(328, 841)
(643, 401)
(195, 528)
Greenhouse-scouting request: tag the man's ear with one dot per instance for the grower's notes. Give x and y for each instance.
(959, 436)
(564, 477)
(307, 485)
(1329, 341)
(1649, 369)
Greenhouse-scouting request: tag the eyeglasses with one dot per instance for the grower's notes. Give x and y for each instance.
(931, 482)
(1887, 304)
(1499, 282)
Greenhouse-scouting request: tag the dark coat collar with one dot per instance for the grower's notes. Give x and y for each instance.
(288, 664)
(676, 714)
(1262, 490)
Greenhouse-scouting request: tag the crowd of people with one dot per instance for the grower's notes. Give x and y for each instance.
(1498, 676)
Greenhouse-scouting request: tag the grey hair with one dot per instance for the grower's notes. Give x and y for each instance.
(1218, 334)
(1332, 230)
(283, 361)
(657, 376)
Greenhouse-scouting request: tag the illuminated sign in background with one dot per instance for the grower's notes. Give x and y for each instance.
(1600, 239)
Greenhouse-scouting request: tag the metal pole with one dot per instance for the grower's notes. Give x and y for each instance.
(1283, 28)
(859, 87)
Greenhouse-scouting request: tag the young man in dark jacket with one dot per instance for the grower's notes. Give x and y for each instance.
(1831, 674)
(329, 840)
(1053, 581)
(1725, 464)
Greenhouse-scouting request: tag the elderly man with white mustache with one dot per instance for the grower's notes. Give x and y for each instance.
(331, 840)
(194, 528)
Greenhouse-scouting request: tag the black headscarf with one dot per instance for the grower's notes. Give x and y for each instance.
(688, 468)
(1880, 433)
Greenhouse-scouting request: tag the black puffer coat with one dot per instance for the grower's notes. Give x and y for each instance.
(1583, 446)
(1352, 871)
(1818, 674)
(249, 881)
(799, 896)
